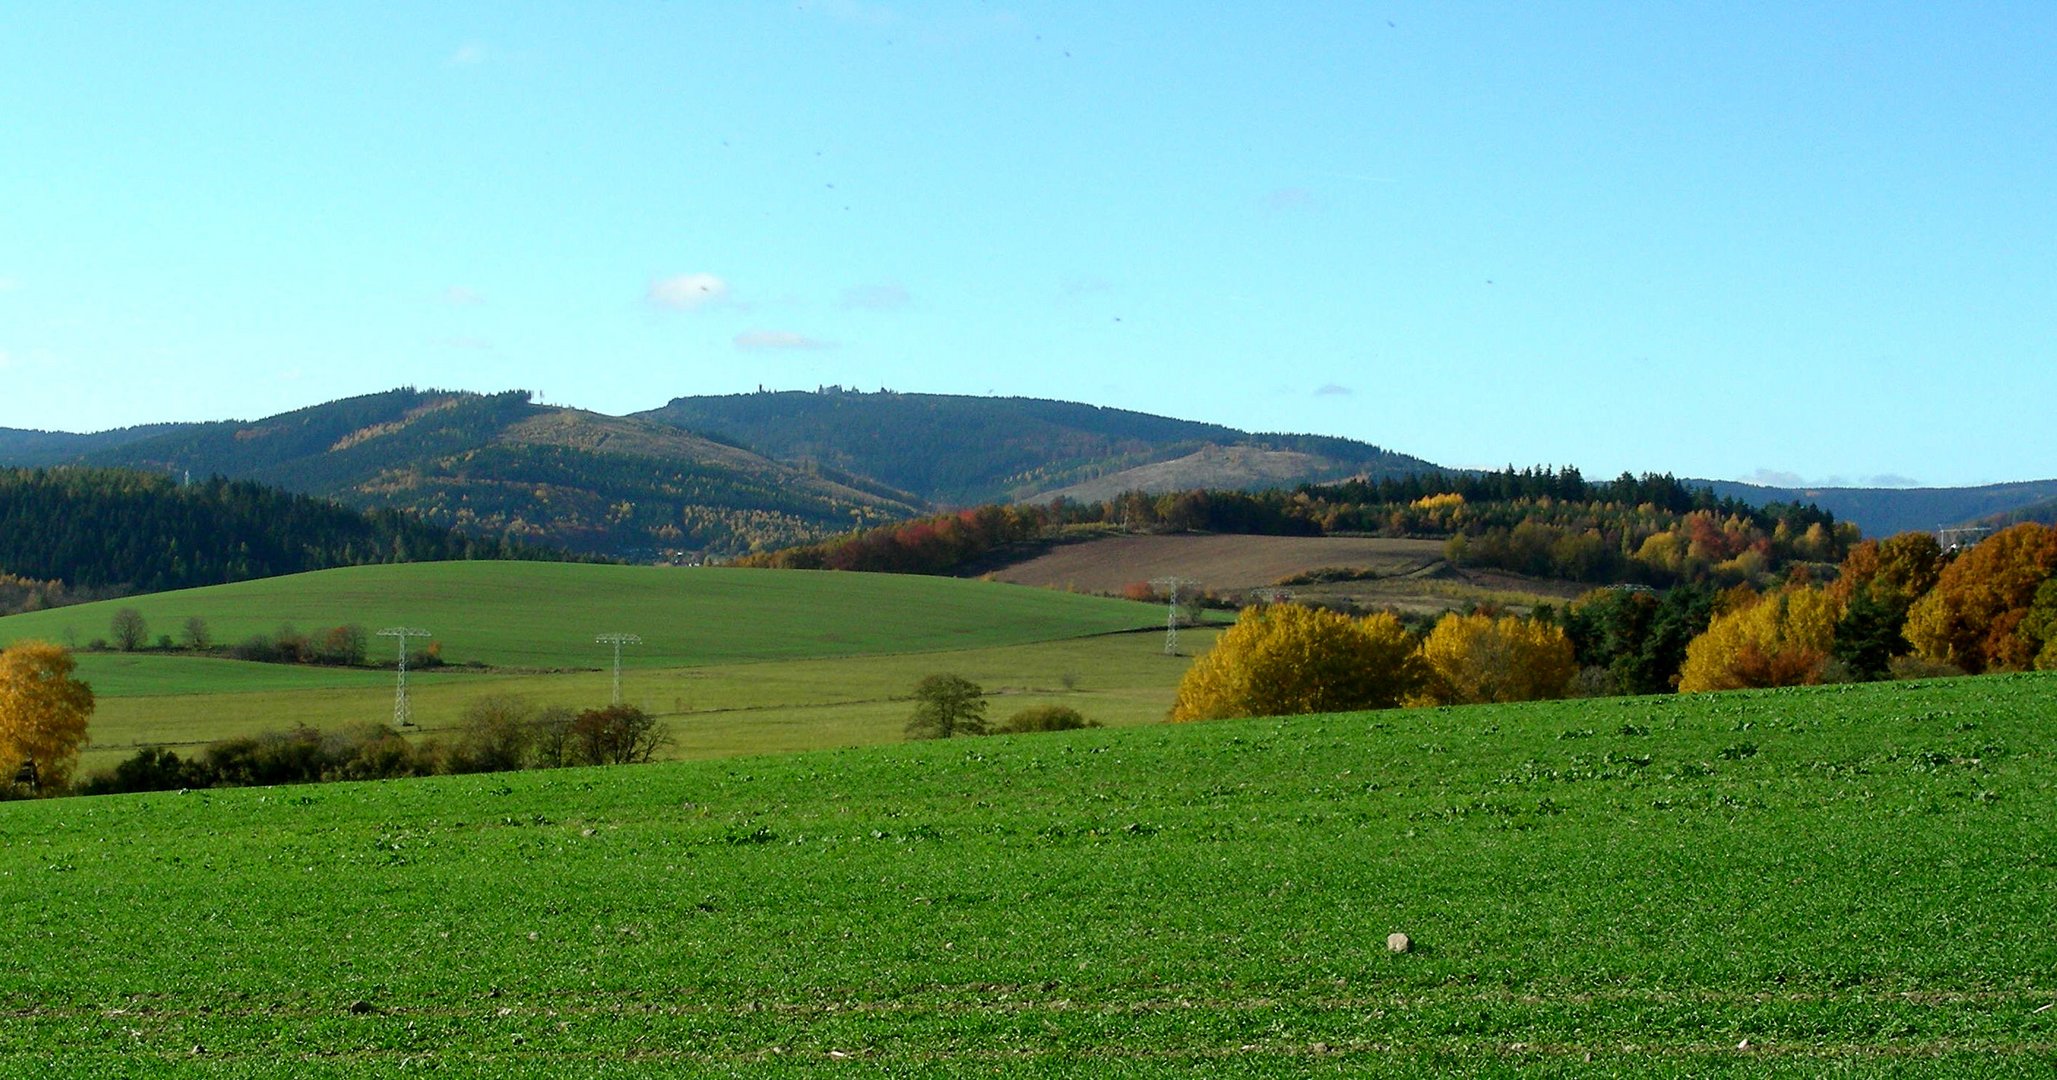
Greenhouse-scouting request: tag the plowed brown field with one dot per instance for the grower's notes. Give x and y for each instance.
(1407, 575)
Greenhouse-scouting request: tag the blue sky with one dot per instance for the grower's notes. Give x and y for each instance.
(1725, 240)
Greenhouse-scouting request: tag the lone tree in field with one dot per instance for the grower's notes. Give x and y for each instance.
(43, 713)
(946, 705)
(129, 630)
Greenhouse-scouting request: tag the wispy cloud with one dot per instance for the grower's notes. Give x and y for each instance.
(1775, 478)
(8, 283)
(469, 54)
(463, 296)
(470, 343)
(757, 340)
(876, 297)
(1334, 390)
(687, 292)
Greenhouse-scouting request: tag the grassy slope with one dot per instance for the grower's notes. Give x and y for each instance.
(1853, 880)
(544, 615)
(718, 710)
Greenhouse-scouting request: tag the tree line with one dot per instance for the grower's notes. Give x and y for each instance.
(1650, 529)
(71, 534)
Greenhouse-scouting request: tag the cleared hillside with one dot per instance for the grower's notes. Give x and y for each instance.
(1839, 881)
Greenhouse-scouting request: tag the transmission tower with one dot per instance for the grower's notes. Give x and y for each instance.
(617, 640)
(402, 715)
(1171, 586)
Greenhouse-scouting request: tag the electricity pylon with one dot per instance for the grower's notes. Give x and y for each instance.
(617, 640)
(1171, 585)
(402, 715)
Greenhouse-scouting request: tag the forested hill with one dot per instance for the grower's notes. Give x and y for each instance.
(499, 466)
(1885, 511)
(86, 532)
(19, 447)
(959, 450)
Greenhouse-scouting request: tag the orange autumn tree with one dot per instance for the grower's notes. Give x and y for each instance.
(1285, 659)
(1783, 639)
(1974, 617)
(43, 713)
(1476, 659)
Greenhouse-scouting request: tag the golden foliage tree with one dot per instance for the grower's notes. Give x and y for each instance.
(1783, 639)
(1284, 659)
(43, 713)
(1973, 617)
(1474, 659)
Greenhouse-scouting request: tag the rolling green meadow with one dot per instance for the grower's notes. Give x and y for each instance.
(734, 661)
(1852, 880)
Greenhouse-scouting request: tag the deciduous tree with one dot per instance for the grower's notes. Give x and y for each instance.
(1783, 639)
(1474, 659)
(43, 713)
(1284, 659)
(1974, 616)
(947, 705)
(128, 629)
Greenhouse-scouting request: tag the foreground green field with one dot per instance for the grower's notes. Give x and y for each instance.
(545, 615)
(1835, 881)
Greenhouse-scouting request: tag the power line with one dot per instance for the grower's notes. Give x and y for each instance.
(1171, 585)
(402, 715)
(617, 640)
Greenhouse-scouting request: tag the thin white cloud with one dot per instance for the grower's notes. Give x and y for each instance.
(9, 283)
(857, 12)
(1775, 478)
(1334, 390)
(887, 297)
(687, 292)
(463, 296)
(756, 340)
(469, 54)
(470, 343)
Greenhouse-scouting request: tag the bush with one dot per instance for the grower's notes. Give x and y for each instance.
(494, 735)
(1044, 718)
(153, 768)
(615, 735)
(1283, 659)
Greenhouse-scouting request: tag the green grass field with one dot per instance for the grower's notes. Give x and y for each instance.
(735, 661)
(713, 711)
(545, 615)
(1832, 881)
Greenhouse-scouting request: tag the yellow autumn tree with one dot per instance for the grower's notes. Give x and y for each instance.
(1782, 639)
(1285, 659)
(1474, 659)
(43, 713)
(1973, 616)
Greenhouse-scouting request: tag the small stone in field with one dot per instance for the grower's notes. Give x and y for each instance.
(1398, 942)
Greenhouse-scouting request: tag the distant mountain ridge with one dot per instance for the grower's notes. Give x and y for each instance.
(498, 465)
(734, 473)
(961, 451)
(1885, 511)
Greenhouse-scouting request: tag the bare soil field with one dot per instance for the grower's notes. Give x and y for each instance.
(1406, 575)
